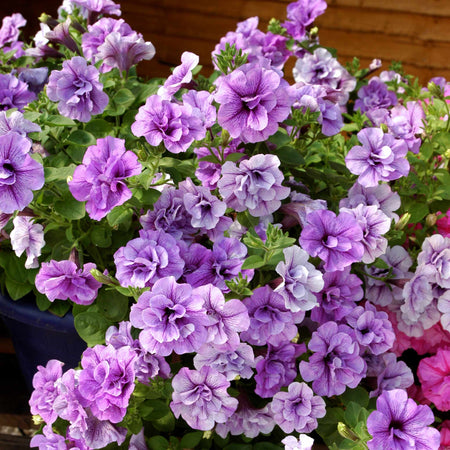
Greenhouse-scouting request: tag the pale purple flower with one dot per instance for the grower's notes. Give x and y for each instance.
(96, 7)
(148, 258)
(398, 422)
(274, 48)
(226, 319)
(380, 158)
(398, 262)
(49, 440)
(443, 306)
(137, 441)
(335, 363)
(338, 297)
(14, 93)
(435, 254)
(374, 223)
(301, 14)
(61, 35)
(77, 90)
(254, 186)
(45, 392)
(19, 173)
(304, 442)
(36, 78)
(64, 280)
(336, 240)
(27, 237)
(298, 409)
(300, 280)
(299, 207)
(372, 328)
(407, 123)
(107, 380)
(416, 328)
(201, 398)
(9, 31)
(174, 125)
(247, 421)
(202, 107)
(253, 100)
(181, 75)
(278, 368)
(322, 68)
(99, 180)
(172, 318)
(270, 321)
(375, 95)
(380, 195)
(392, 375)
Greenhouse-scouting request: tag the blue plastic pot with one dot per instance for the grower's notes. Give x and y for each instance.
(39, 336)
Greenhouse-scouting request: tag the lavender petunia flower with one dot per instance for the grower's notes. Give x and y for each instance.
(174, 125)
(99, 180)
(380, 158)
(201, 398)
(301, 14)
(14, 93)
(443, 306)
(336, 240)
(374, 223)
(61, 35)
(181, 75)
(298, 409)
(253, 100)
(45, 392)
(19, 173)
(299, 207)
(27, 237)
(372, 328)
(172, 318)
(234, 362)
(107, 380)
(9, 31)
(36, 78)
(270, 321)
(277, 368)
(226, 319)
(97, 7)
(300, 280)
(148, 258)
(49, 440)
(400, 423)
(375, 95)
(63, 280)
(77, 90)
(304, 442)
(202, 107)
(137, 441)
(254, 185)
(381, 196)
(435, 254)
(335, 363)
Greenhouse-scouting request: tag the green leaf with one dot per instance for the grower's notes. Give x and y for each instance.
(418, 211)
(153, 409)
(59, 121)
(17, 289)
(359, 395)
(70, 208)
(123, 97)
(158, 443)
(101, 236)
(91, 326)
(112, 305)
(58, 173)
(280, 138)
(352, 414)
(81, 137)
(120, 215)
(100, 128)
(289, 155)
(191, 440)
(253, 262)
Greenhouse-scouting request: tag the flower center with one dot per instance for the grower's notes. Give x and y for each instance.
(7, 175)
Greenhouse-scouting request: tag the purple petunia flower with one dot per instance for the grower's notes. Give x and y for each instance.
(400, 423)
(49, 440)
(99, 180)
(61, 35)
(443, 306)
(63, 280)
(301, 14)
(148, 258)
(380, 158)
(300, 280)
(9, 31)
(174, 125)
(36, 78)
(298, 409)
(253, 100)
(15, 122)
(336, 362)
(277, 368)
(435, 254)
(304, 442)
(77, 90)
(375, 95)
(254, 185)
(19, 173)
(336, 240)
(14, 93)
(97, 7)
(107, 380)
(202, 107)
(45, 392)
(172, 318)
(299, 207)
(201, 398)
(27, 237)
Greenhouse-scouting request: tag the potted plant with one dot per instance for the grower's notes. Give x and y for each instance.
(252, 263)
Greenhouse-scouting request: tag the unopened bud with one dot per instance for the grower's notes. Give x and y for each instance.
(346, 432)
(435, 90)
(431, 220)
(404, 220)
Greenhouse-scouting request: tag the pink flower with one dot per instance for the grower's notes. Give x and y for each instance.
(445, 435)
(434, 374)
(443, 224)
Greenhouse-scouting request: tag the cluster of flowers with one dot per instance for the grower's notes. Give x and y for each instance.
(229, 319)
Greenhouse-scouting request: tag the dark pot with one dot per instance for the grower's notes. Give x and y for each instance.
(39, 336)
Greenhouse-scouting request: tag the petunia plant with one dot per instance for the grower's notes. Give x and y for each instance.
(253, 262)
